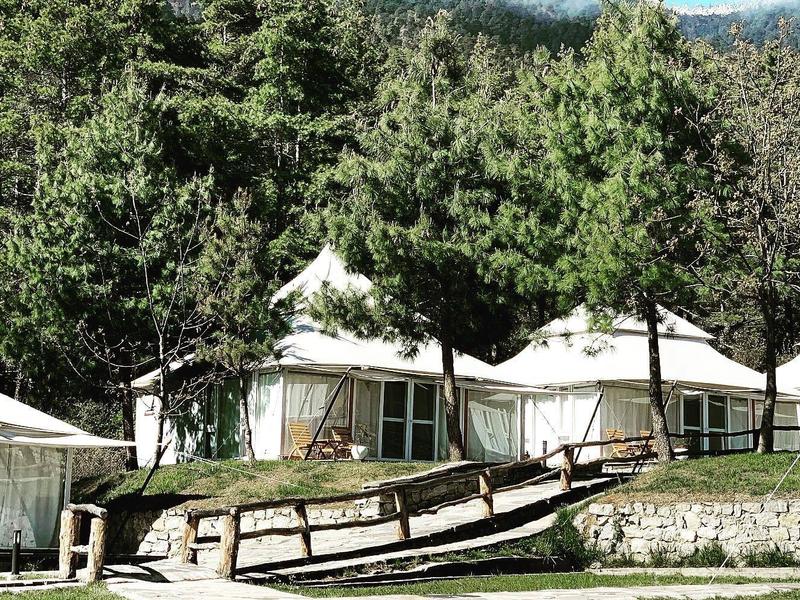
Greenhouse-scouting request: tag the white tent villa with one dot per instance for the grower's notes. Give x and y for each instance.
(36, 453)
(711, 393)
(392, 405)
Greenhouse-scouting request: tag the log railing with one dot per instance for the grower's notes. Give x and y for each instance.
(70, 547)
(231, 535)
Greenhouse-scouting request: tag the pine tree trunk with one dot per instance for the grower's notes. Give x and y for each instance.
(454, 442)
(661, 442)
(244, 418)
(766, 436)
(128, 427)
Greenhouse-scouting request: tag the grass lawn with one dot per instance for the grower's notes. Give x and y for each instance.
(91, 592)
(714, 479)
(513, 583)
(214, 484)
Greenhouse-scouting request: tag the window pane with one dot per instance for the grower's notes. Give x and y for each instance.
(422, 441)
(717, 414)
(394, 399)
(367, 405)
(393, 442)
(424, 400)
(693, 411)
(716, 443)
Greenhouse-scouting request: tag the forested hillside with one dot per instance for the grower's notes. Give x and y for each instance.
(527, 24)
(163, 173)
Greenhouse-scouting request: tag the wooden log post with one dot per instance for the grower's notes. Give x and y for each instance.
(229, 544)
(485, 488)
(403, 527)
(190, 529)
(67, 538)
(305, 535)
(567, 467)
(97, 550)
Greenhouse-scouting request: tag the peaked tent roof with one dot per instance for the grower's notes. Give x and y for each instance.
(789, 374)
(21, 424)
(308, 347)
(570, 353)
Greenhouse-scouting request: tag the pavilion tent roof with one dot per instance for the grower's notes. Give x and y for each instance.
(789, 374)
(568, 353)
(21, 424)
(308, 347)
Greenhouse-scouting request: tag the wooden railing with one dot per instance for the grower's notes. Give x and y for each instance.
(69, 541)
(231, 536)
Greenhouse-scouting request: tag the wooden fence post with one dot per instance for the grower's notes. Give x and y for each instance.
(96, 551)
(566, 468)
(305, 534)
(485, 485)
(229, 545)
(403, 527)
(190, 528)
(68, 537)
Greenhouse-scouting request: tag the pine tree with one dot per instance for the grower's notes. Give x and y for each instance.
(410, 186)
(628, 159)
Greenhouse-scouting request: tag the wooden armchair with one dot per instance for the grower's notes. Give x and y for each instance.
(302, 441)
(620, 449)
(343, 436)
(647, 444)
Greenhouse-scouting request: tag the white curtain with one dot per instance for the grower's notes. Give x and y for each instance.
(265, 413)
(306, 397)
(493, 427)
(367, 407)
(739, 421)
(31, 494)
(785, 414)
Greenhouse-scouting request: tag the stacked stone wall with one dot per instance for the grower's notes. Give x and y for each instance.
(638, 531)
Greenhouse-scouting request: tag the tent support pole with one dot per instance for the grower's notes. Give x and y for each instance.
(68, 477)
(328, 410)
(589, 426)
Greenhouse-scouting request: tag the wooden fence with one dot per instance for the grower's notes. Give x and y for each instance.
(231, 534)
(69, 541)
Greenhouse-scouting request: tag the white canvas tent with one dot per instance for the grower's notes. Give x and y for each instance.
(788, 374)
(712, 392)
(394, 402)
(35, 471)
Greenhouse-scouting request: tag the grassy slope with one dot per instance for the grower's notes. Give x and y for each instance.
(215, 484)
(739, 476)
(513, 583)
(91, 592)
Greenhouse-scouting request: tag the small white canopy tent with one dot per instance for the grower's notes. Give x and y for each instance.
(295, 387)
(35, 471)
(713, 393)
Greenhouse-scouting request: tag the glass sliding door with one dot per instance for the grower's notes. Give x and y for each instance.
(693, 420)
(422, 422)
(717, 421)
(393, 417)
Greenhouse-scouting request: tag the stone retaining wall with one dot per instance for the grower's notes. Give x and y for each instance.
(640, 530)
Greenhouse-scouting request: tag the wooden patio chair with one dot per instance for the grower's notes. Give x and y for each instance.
(302, 441)
(620, 449)
(343, 437)
(648, 445)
